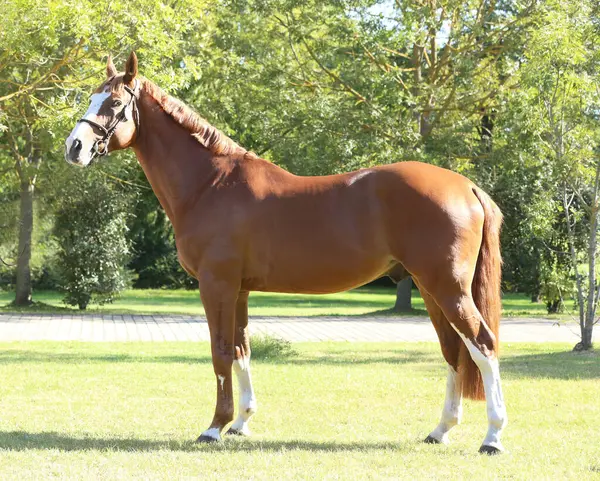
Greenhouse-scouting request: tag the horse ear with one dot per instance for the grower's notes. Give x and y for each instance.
(131, 68)
(111, 70)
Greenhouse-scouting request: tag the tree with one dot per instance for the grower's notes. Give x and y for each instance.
(403, 295)
(49, 54)
(561, 77)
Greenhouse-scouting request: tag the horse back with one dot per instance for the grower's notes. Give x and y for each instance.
(341, 231)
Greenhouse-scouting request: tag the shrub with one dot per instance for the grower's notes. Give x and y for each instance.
(90, 229)
(267, 347)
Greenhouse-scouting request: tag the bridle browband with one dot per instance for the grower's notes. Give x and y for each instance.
(120, 117)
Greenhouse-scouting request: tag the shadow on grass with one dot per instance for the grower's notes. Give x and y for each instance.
(35, 308)
(24, 441)
(108, 310)
(271, 300)
(564, 365)
(567, 365)
(347, 358)
(34, 357)
(389, 313)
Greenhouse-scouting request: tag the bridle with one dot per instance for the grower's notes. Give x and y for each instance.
(120, 117)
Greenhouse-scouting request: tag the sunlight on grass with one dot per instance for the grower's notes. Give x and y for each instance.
(358, 302)
(331, 411)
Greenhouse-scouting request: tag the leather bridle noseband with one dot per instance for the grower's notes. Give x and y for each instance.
(120, 117)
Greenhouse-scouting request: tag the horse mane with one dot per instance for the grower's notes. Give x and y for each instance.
(208, 136)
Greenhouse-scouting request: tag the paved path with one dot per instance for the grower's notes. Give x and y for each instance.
(117, 328)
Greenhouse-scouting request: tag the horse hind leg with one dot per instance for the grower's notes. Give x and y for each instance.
(465, 318)
(450, 343)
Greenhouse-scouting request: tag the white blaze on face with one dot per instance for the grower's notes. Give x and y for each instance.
(84, 133)
(247, 404)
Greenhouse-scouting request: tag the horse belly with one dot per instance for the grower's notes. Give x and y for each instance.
(322, 276)
(326, 256)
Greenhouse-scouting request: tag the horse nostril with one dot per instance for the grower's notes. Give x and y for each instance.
(76, 147)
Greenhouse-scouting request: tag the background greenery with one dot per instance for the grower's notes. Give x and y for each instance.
(505, 92)
(365, 301)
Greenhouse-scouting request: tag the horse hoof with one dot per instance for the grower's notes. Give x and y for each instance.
(204, 439)
(489, 450)
(431, 440)
(235, 432)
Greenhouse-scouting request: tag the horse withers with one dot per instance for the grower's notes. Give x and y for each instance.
(243, 224)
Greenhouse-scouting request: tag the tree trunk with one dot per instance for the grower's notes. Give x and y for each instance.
(592, 301)
(403, 295)
(486, 129)
(586, 338)
(23, 290)
(570, 237)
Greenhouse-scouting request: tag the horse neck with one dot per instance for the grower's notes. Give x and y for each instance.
(177, 166)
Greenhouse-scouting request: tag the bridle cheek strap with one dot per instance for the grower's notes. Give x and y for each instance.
(107, 133)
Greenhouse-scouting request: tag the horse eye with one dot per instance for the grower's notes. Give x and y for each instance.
(117, 103)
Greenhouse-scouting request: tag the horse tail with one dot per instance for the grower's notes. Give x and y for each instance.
(486, 293)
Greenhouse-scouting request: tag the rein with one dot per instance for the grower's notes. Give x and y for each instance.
(120, 117)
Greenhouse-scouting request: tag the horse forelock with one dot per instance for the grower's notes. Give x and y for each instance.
(112, 85)
(208, 136)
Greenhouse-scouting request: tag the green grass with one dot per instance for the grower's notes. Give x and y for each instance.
(358, 302)
(361, 301)
(333, 411)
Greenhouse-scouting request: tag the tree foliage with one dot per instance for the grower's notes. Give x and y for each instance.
(504, 92)
(51, 54)
(561, 78)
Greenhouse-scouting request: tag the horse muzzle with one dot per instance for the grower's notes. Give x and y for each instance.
(76, 154)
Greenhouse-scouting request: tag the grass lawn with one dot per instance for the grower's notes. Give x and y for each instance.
(362, 301)
(334, 411)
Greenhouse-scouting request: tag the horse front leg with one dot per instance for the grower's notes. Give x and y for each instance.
(452, 412)
(219, 299)
(241, 366)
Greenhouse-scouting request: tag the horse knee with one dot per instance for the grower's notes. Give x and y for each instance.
(222, 361)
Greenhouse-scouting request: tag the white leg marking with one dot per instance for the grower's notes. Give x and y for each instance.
(496, 410)
(452, 412)
(213, 433)
(221, 380)
(247, 405)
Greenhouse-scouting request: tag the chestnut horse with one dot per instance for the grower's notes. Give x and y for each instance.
(243, 224)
